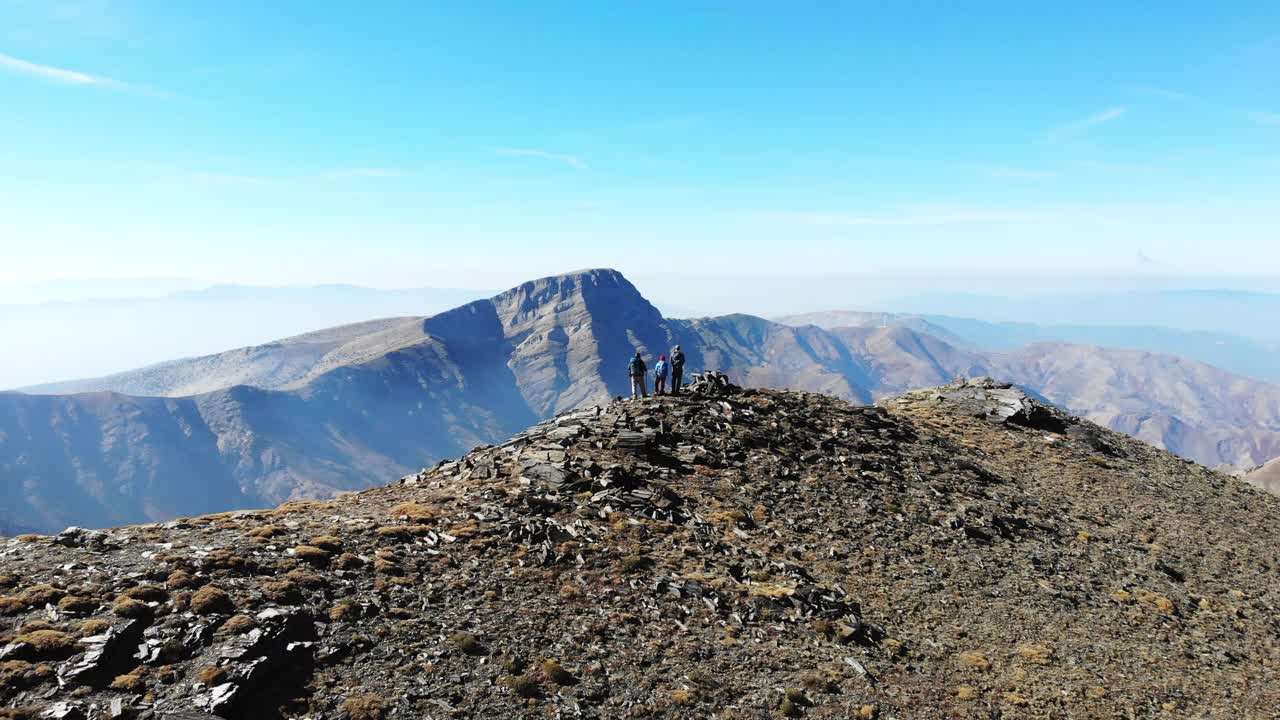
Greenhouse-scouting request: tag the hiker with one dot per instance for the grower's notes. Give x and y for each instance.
(660, 372)
(677, 369)
(637, 370)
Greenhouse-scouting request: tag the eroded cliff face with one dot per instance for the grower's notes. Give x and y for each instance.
(964, 551)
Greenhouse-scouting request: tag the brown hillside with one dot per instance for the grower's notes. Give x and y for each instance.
(961, 552)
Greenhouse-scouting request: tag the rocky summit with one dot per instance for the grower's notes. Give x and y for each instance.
(960, 552)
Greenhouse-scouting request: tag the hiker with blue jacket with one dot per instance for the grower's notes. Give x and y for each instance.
(677, 369)
(637, 370)
(660, 373)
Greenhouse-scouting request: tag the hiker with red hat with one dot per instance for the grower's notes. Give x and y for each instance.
(660, 372)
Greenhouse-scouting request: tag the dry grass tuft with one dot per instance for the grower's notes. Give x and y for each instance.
(77, 605)
(1015, 699)
(1036, 654)
(282, 591)
(327, 542)
(92, 627)
(306, 579)
(414, 512)
(51, 644)
(38, 595)
(684, 697)
(343, 610)
(19, 675)
(365, 707)
(312, 554)
(131, 682)
(212, 675)
(238, 625)
(633, 563)
(225, 560)
(974, 660)
(1161, 603)
(179, 579)
(773, 592)
(524, 686)
(347, 561)
(554, 672)
(127, 607)
(467, 643)
(818, 682)
(729, 518)
(212, 600)
(147, 593)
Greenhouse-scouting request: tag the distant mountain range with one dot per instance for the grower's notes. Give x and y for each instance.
(1240, 313)
(348, 407)
(54, 339)
(1234, 353)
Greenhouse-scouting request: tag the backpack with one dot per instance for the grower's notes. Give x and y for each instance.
(660, 369)
(633, 368)
(677, 360)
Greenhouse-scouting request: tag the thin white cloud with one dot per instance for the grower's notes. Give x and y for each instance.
(361, 172)
(923, 216)
(1162, 93)
(1117, 167)
(1020, 173)
(214, 178)
(1072, 129)
(205, 177)
(1266, 118)
(570, 160)
(68, 77)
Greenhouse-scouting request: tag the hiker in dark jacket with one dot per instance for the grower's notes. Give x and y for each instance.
(677, 369)
(660, 373)
(637, 370)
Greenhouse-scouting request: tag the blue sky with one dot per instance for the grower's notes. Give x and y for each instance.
(408, 144)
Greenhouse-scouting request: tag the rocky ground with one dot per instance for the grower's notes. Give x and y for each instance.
(963, 552)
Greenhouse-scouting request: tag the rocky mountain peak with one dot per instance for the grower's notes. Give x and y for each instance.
(730, 552)
(566, 339)
(560, 293)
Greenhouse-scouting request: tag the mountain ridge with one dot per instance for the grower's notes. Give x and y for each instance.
(384, 397)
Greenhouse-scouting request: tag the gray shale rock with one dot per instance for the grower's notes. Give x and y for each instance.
(106, 655)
